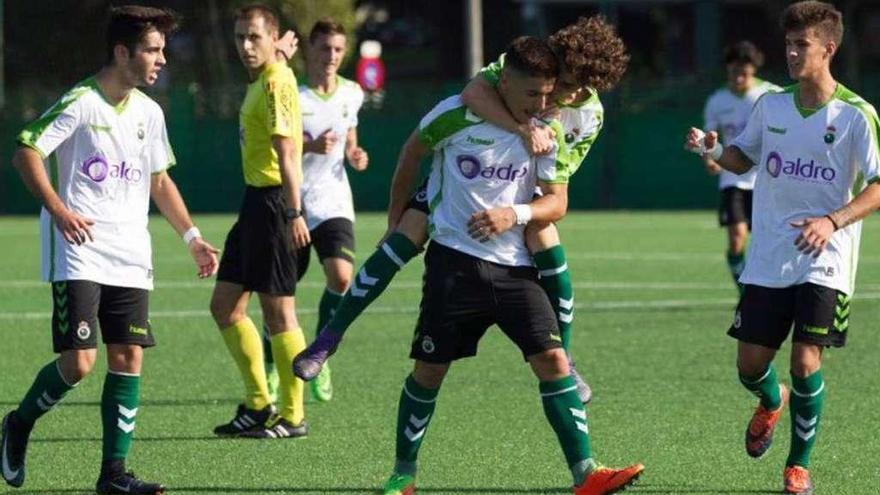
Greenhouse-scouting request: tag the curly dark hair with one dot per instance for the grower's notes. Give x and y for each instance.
(129, 24)
(531, 56)
(592, 51)
(827, 20)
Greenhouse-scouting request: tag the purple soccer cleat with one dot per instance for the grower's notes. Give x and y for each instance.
(307, 364)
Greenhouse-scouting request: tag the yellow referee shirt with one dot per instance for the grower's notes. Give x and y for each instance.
(270, 108)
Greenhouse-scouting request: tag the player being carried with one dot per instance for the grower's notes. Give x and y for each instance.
(106, 147)
(593, 59)
(727, 112)
(815, 145)
(478, 271)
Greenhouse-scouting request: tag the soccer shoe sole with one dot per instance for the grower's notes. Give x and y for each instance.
(14, 478)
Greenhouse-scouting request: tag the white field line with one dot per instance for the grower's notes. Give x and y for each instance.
(412, 309)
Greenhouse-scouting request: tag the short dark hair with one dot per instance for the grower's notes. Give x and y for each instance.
(820, 15)
(744, 52)
(325, 27)
(270, 18)
(531, 56)
(128, 24)
(591, 50)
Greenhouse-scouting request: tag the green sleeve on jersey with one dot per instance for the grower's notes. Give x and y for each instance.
(866, 109)
(446, 124)
(32, 132)
(563, 165)
(492, 72)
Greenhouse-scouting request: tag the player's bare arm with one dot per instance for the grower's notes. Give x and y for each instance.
(167, 197)
(483, 99)
(291, 181)
(323, 144)
(357, 157)
(729, 158)
(817, 231)
(74, 227)
(405, 176)
(550, 207)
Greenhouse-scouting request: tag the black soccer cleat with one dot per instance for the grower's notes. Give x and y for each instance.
(14, 449)
(127, 483)
(245, 420)
(279, 427)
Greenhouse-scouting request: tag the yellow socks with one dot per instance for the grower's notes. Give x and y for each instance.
(244, 344)
(285, 346)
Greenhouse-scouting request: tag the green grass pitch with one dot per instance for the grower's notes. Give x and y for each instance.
(654, 302)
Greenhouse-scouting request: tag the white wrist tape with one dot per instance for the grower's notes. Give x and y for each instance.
(523, 213)
(714, 153)
(191, 234)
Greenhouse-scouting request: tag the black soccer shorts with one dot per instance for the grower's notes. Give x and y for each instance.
(765, 316)
(735, 207)
(80, 307)
(332, 238)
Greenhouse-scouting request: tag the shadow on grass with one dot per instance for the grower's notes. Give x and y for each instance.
(676, 489)
(139, 439)
(313, 489)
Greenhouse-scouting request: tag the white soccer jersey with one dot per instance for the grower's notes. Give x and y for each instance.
(728, 113)
(325, 190)
(478, 166)
(100, 158)
(809, 163)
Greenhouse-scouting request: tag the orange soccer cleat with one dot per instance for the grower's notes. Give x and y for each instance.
(797, 480)
(603, 480)
(759, 434)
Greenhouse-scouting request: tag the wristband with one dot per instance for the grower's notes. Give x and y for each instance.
(715, 152)
(191, 234)
(829, 217)
(523, 214)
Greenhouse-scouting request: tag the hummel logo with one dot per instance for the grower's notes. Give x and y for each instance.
(474, 140)
(776, 130)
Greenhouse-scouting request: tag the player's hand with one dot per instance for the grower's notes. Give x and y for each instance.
(300, 231)
(205, 256)
(487, 224)
(323, 144)
(815, 234)
(538, 139)
(712, 168)
(699, 142)
(358, 158)
(75, 228)
(287, 45)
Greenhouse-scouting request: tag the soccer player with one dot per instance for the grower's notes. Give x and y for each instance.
(593, 59)
(815, 146)
(479, 271)
(106, 149)
(260, 251)
(727, 111)
(330, 106)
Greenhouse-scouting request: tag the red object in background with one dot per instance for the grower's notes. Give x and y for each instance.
(370, 74)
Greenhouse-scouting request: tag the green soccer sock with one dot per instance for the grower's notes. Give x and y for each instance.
(807, 395)
(327, 307)
(566, 415)
(372, 279)
(47, 390)
(119, 406)
(736, 263)
(267, 347)
(765, 387)
(414, 414)
(556, 281)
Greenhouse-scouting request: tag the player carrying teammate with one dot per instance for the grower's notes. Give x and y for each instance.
(815, 146)
(479, 271)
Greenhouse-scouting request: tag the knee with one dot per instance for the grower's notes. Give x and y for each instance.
(749, 368)
(804, 364)
(550, 365)
(223, 314)
(339, 283)
(428, 375)
(125, 358)
(76, 365)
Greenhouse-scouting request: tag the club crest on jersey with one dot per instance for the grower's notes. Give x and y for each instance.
(569, 137)
(471, 167)
(829, 134)
(83, 331)
(140, 132)
(799, 169)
